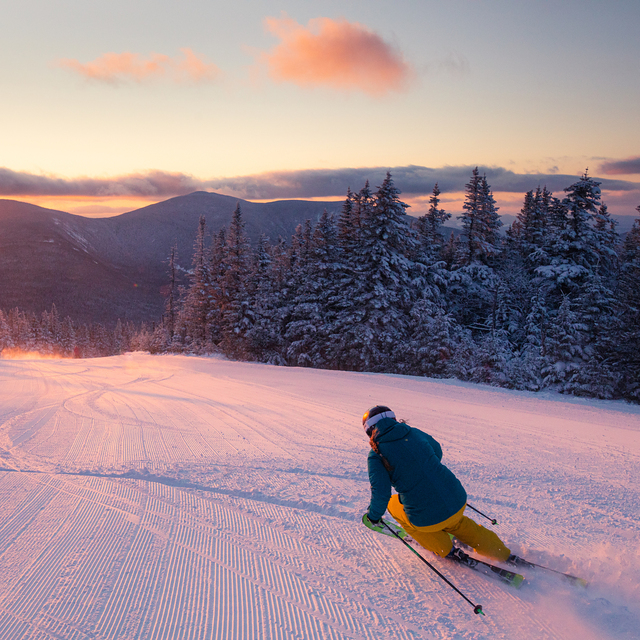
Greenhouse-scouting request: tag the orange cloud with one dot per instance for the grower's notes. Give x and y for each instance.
(334, 53)
(113, 68)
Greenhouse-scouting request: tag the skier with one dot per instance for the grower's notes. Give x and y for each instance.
(430, 502)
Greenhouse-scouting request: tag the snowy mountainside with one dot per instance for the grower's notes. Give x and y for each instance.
(47, 258)
(102, 269)
(180, 497)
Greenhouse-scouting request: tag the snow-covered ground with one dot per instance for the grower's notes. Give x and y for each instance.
(188, 498)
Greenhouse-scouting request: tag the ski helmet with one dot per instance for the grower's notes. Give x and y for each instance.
(374, 415)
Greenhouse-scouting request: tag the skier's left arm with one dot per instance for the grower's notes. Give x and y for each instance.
(380, 487)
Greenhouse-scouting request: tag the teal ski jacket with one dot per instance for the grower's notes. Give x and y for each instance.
(410, 461)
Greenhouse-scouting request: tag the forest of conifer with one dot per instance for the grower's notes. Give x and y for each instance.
(553, 303)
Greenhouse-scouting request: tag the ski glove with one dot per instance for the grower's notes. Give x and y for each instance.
(382, 526)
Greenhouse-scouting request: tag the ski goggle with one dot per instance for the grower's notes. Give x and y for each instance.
(368, 423)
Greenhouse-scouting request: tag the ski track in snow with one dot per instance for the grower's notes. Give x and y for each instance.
(172, 497)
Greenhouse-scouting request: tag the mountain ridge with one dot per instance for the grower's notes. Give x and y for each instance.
(102, 269)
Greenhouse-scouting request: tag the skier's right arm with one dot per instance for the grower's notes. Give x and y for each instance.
(380, 487)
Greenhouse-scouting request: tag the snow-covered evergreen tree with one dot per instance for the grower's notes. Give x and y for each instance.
(596, 313)
(237, 311)
(529, 231)
(475, 285)
(431, 328)
(348, 222)
(564, 350)
(606, 241)
(198, 300)
(533, 349)
(371, 331)
(217, 269)
(575, 247)
(362, 209)
(429, 226)
(6, 339)
(307, 331)
(480, 221)
(170, 307)
(451, 251)
(67, 337)
(627, 348)
(271, 304)
(119, 341)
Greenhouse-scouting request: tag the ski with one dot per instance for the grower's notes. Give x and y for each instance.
(574, 580)
(486, 568)
(517, 561)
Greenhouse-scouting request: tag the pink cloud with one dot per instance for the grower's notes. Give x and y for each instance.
(334, 53)
(113, 68)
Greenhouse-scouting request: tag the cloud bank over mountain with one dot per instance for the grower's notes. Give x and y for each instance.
(621, 167)
(414, 180)
(158, 184)
(308, 183)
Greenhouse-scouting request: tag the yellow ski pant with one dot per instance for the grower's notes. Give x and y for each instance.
(436, 537)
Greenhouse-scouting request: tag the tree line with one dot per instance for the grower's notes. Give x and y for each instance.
(49, 334)
(553, 303)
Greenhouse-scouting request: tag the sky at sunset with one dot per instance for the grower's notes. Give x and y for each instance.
(111, 106)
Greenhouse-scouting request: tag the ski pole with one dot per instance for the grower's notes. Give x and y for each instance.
(477, 608)
(492, 520)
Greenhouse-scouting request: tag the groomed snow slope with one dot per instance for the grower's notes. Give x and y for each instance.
(239, 515)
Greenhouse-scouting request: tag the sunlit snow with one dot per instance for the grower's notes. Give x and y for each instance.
(173, 497)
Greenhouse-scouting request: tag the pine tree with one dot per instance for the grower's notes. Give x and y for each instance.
(490, 223)
(119, 342)
(429, 226)
(363, 208)
(272, 307)
(451, 251)
(217, 269)
(564, 350)
(171, 303)
(606, 241)
(348, 225)
(307, 330)
(517, 233)
(67, 337)
(480, 222)
(369, 331)
(533, 350)
(197, 303)
(595, 310)
(430, 342)
(237, 312)
(6, 339)
(475, 284)
(528, 232)
(627, 308)
(574, 248)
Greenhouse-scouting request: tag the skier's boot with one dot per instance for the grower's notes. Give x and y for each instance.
(517, 561)
(458, 555)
